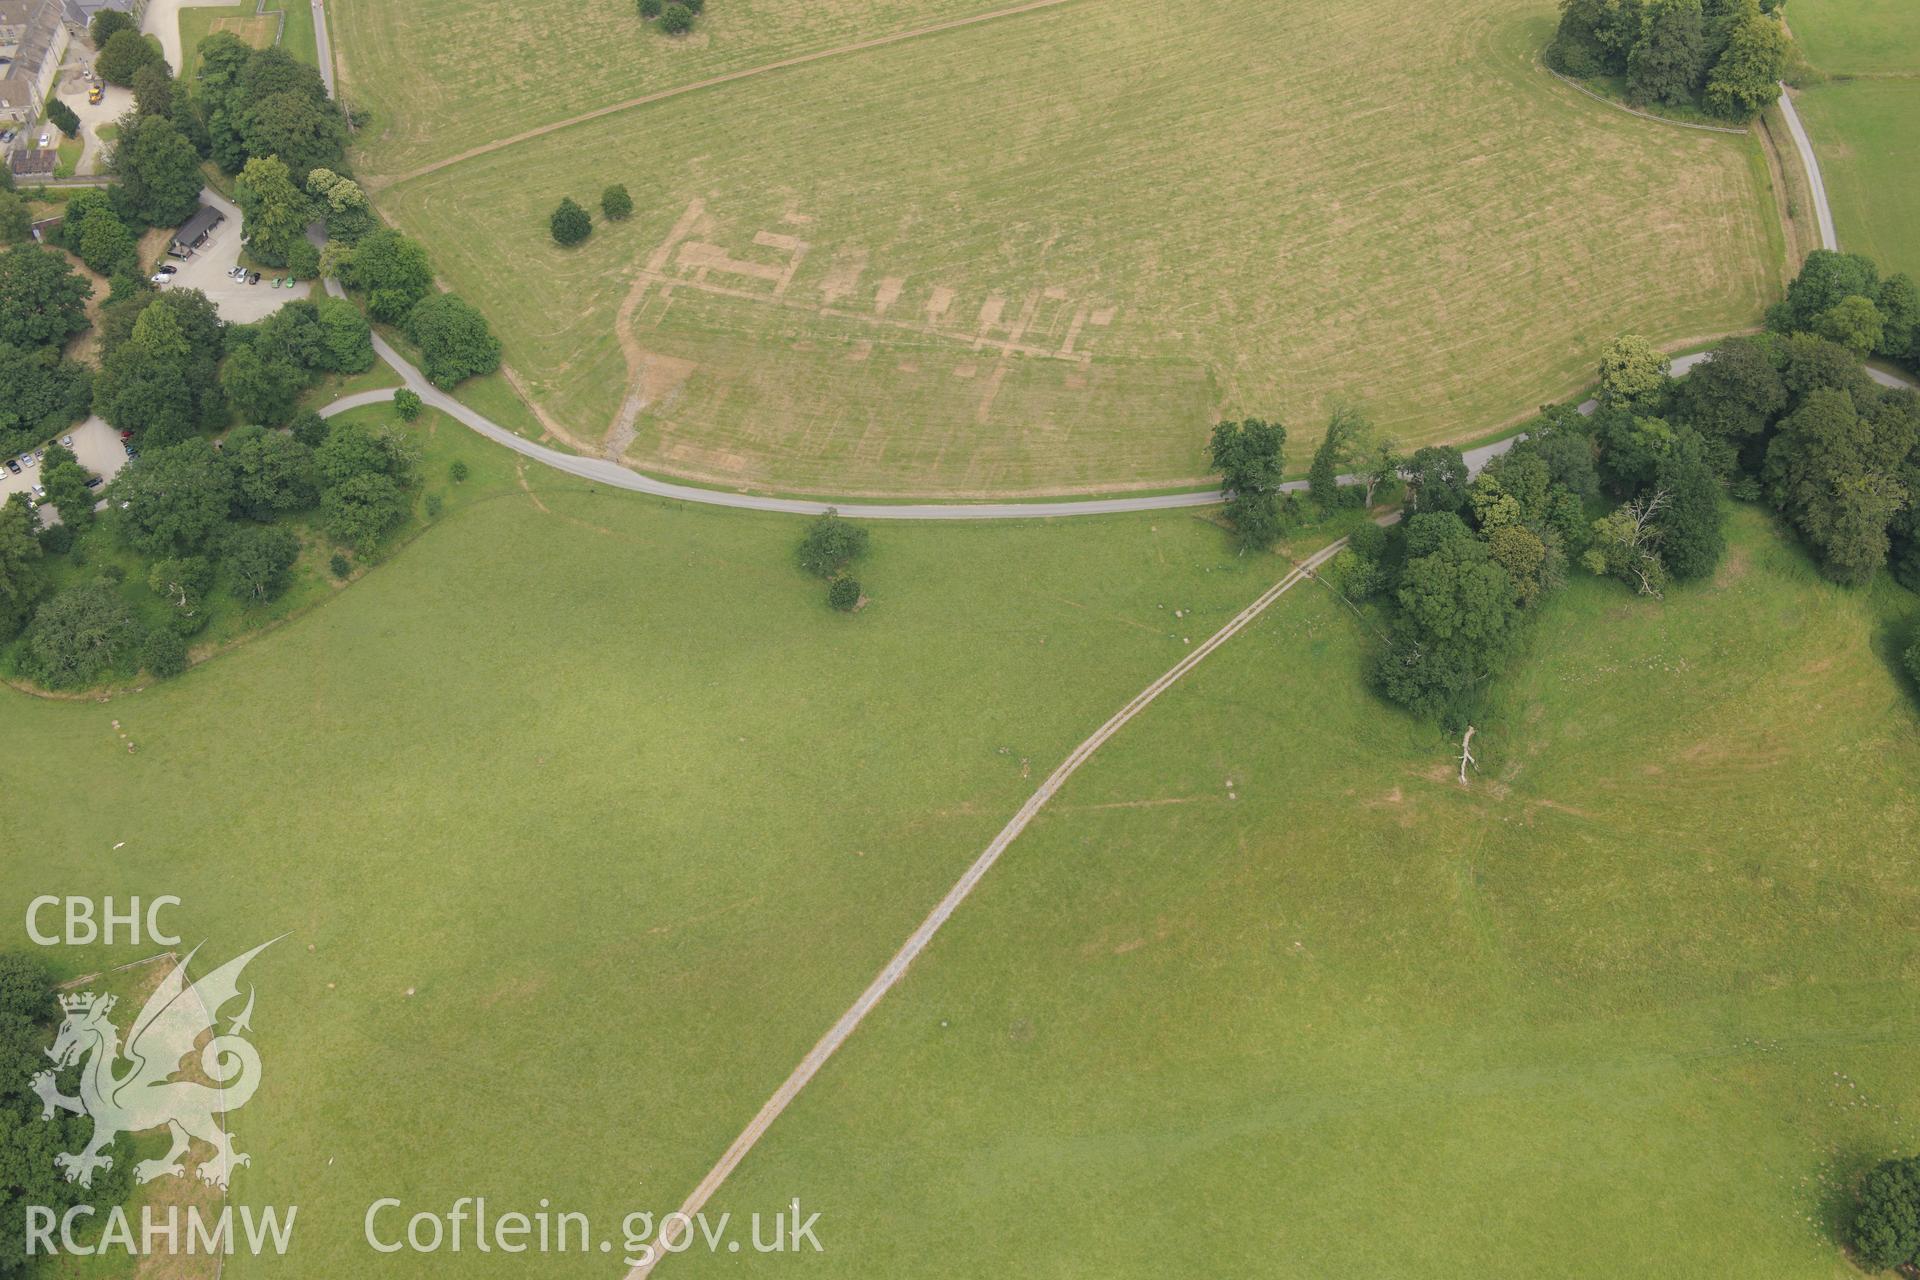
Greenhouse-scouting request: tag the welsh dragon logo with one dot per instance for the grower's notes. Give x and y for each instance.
(134, 1089)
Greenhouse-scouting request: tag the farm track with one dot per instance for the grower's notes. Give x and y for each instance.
(922, 937)
(745, 73)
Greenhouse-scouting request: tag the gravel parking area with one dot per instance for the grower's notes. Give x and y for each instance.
(207, 269)
(95, 444)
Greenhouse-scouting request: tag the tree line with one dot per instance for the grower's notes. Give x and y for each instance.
(1636, 492)
(1721, 57)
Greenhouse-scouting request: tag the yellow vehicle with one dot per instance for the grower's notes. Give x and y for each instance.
(96, 91)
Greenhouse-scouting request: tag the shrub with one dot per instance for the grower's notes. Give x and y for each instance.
(57, 540)
(458, 470)
(570, 223)
(407, 404)
(650, 9)
(615, 204)
(340, 565)
(844, 594)
(434, 504)
(164, 654)
(830, 545)
(310, 429)
(676, 19)
(63, 118)
(303, 260)
(1913, 662)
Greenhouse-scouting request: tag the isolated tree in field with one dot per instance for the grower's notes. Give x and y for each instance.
(830, 544)
(1669, 62)
(123, 55)
(1854, 323)
(79, 634)
(159, 172)
(1633, 372)
(1250, 457)
(615, 204)
(570, 224)
(260, 558)
(844, 594)
(676, 19)
(407, 404)
(454, 339)
(106, 23)
(276, 210)
(42, 299)
(1885, 1231)
(62, 117)
(1437, 479)
(1745, 79)
(20, 580)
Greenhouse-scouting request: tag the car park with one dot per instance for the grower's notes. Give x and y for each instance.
(13, 465)
(165, 274)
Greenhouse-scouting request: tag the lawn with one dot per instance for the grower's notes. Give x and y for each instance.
(608, 788)
(1266, 992)
(1858, 37)
(255, 28)
(984, 262)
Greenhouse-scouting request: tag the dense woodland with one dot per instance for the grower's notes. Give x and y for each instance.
(1721, 57)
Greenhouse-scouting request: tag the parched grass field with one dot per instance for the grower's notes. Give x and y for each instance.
(197, 22)
(1865, 123)
(610, 788)
(1045, 253)
(1266, 992)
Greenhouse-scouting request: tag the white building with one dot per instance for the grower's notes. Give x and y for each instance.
(33, 41)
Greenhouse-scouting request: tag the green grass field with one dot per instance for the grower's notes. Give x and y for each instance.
(1636, 1003)
(256, 29)
(610, 787)
(983, 262)
(1865, 123)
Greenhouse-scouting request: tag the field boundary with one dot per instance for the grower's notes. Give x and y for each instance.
(1571, 83)
(765, 68)
(918, 941)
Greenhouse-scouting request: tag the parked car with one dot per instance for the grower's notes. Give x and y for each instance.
(253, 277)
(66, 442)
(6, 136)
(46, 140)
(26, 459)
(126, 435)
(165, 274)
(39, 491)
(94, 482)
(13, 465)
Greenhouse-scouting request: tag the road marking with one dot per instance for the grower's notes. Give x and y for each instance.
(896, 968)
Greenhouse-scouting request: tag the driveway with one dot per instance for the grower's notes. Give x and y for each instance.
(95, 444)
(206, 270)
(116, 103)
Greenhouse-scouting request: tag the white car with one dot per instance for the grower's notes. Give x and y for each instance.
(46, 140)
(66, 442)
(39, 491)
(164, 275)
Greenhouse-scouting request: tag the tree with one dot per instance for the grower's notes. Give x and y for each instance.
(39, 395)
(42, 299)
(260, 559)
(346, 339)
(1692, 539)
(105, 23)
(1458, 608)
(1346, 429)
(66, 483)
(78, 634)
(843, 593)
(651, 8)
(349, 217)
(352, 449)
(62, 117)
(1626, 545)
(1633, 372)
(20, 579)
(615, 204)
(1854, 323)
(1825, 278)
(676, 19)
(182, 581)
(830, 544)
(1899, 304)
(160, 368)
(362, 509)
(570, 223)
(1732, 398)
(164, 654)
(407, 404)
(454, 339)
(392, 271)
(124, 53)
(104, 243)
(1670, 59)
(273, 473)
(275, 209)
(1885, 1231)
(1250, 457)
(16, 220)
(177, 499)
(303, 132)
(159, 172)
(153, 90)
(1835, 472)
(1437, 479)
(1745, 79)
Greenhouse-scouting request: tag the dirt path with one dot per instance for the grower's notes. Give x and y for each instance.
(799, 60)
(896, 968)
